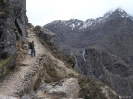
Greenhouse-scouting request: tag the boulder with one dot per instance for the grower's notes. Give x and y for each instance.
(43, 33)
(6, 97)
(66, 88)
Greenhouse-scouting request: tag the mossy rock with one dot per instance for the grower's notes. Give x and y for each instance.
(3, 68)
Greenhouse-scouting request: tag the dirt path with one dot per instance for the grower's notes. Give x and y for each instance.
(16, 81)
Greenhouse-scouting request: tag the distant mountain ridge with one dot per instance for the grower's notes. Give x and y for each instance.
(103, 47)
(73, 23)
(67, 29)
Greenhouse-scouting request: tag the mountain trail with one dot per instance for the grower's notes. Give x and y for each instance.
(17, 81)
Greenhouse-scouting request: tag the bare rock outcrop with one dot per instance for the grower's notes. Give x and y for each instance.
(12, 32)
(66, 88)
(43, 33)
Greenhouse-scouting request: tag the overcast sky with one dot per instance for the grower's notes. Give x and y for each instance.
(41, 12)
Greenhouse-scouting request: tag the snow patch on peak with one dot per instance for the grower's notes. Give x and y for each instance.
(87, 23)
(107, 14)
(122, 13)
(91, 22)
(72, 25)
(99, 20)
(120, 10)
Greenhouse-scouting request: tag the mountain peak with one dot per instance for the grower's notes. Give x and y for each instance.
(73, 23)
(119, 12)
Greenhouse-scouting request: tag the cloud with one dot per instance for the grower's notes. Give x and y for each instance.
(41, 12)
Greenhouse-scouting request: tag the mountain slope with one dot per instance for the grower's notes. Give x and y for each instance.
(45, 76)
(103, 47)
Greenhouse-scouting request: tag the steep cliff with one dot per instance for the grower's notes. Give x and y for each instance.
(12, 33)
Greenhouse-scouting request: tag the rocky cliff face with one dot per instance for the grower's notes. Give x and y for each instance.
(12, 32)
(43, 33)
(103, 47)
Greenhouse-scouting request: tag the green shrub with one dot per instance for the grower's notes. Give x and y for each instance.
(52, 74)
(90, 89)
(37, 27)
(2, 66)
(4, 62)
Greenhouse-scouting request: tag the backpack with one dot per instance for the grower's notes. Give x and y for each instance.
(29, 45)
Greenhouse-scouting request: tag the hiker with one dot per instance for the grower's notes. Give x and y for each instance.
(32, 49)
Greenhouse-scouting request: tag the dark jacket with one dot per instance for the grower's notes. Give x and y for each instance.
(32, 45)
